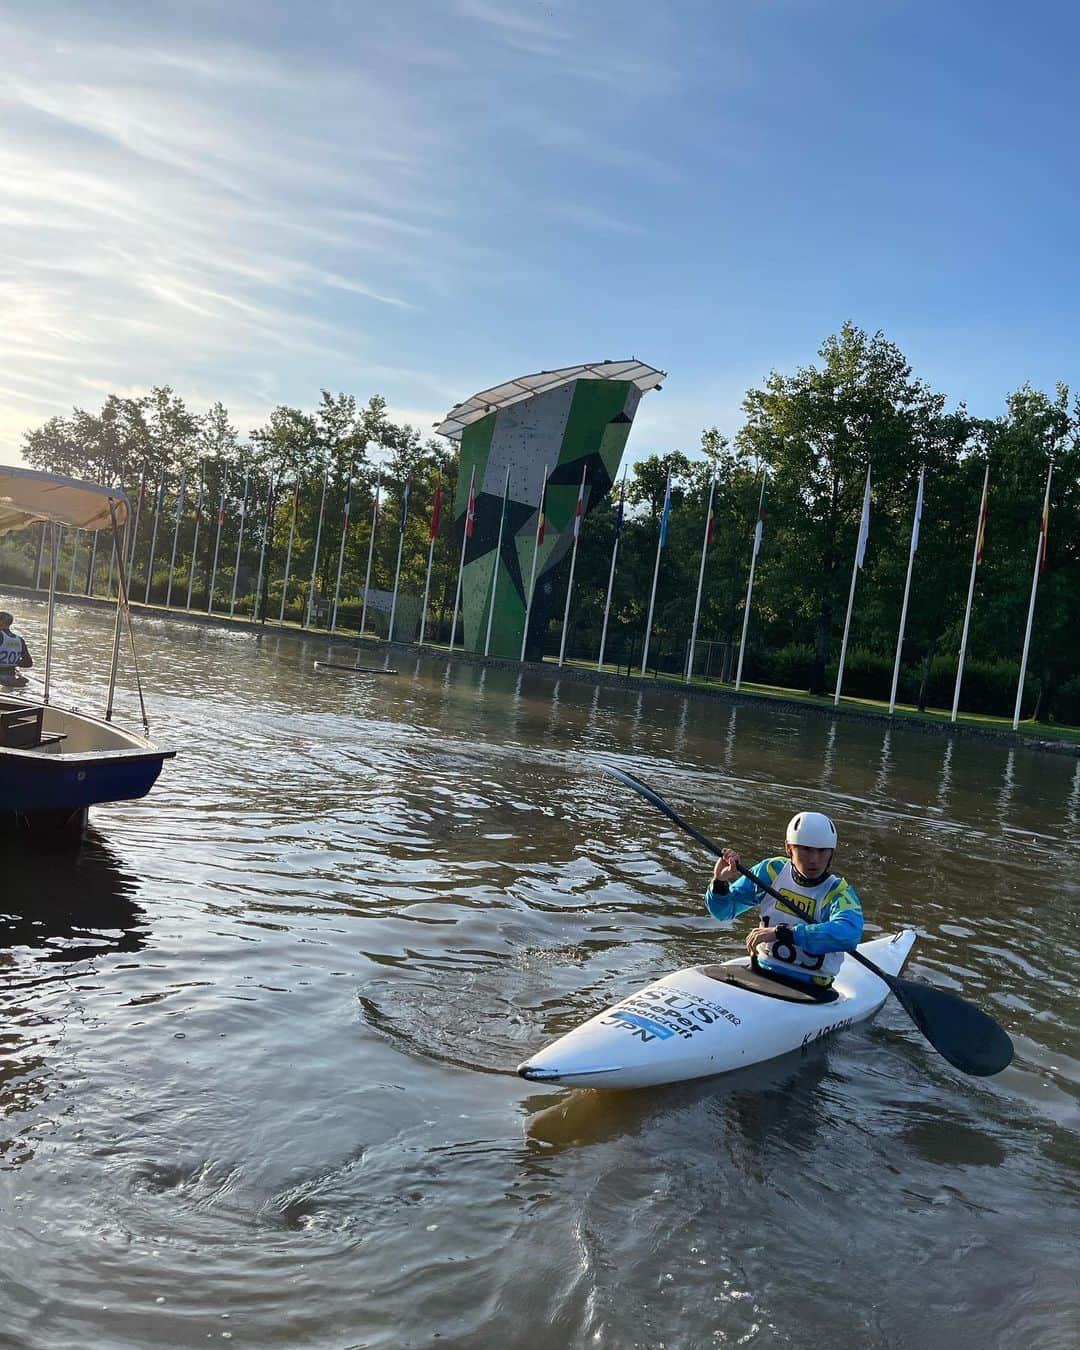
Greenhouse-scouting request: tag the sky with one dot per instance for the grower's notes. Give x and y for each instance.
(251, 202)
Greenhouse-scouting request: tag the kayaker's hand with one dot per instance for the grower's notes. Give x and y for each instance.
(726, 868)
(760, 935)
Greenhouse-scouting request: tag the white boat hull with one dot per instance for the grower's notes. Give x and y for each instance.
(691, 1024)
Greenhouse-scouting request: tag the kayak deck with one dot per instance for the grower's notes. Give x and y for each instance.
(692, 1024)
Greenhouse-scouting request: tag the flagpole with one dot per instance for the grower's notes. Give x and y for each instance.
(700, 579)
(397, 569)
(239, 543)
(175, 537)
(199, 498)
(860, 549)
(758, 528)
(465, 537)
(341, 551)
(93, 564)
(975, 558)
(538, 539)
(573, 561)
(656, 574)
(495, 569)
(611, 571)
(907, 590)
(315, 560)
(288, 552)
(370, 556)
(262, 545)
(1040, 556)
(153, 536)
(40, 555)
(433, 530)
(135, 530)
(217, 547)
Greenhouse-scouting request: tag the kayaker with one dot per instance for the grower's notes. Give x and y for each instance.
(803, 938)
(13, 653)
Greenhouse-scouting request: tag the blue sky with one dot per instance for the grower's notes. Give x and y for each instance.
(252, 201)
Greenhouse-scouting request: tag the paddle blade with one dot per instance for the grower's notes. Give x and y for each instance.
(959, 1032)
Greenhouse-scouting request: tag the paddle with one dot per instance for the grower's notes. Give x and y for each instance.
(970, 1040)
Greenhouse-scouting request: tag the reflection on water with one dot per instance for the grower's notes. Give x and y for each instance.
(257, 1067)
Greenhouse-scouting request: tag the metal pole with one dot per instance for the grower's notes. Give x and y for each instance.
(656, 574)
(465, 536)
(239, 544)
(611, 574)
(217, 546)
(153, 536)
(288, 553)
(573, 561)
(262, 545)
(315, 560)
(341, 551)
(1031, 605)
(538, 539)
(175, 538)
(436, 513)
(758, 527)
(971, 592)
(370, 557)
(397, 569)
(859, 547)
(700, 580)
(55, 562)
(907, 589)
(495, 570)
(199, 500)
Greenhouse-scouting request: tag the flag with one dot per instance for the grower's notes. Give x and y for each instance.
(436, 510)
(665, 512)
(981, 535)
(295, 500)
(864, 525)
(159, 506)
(405, 506)
(348, 499)
(470, 510)
(918, 514)
(221, 508)
(180, 496)
(580, 508)
(199, 504)
(759, 528)
(619, 508)
(711, 522)
(1044, 530)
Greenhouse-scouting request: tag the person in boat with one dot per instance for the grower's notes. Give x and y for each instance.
(801, 939)
(13, 653)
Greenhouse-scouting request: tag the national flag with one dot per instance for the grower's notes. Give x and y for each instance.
(619, 508)
(180, 496)
(918, 514)
(759, 528)
(405, 505)
(864, 525)
(221, 508)
(159, 506)
(579, 510)
(199, 504)
(710, 524)
(1044, 530)
(243, 499)
(348, 499)
(666, 512)
(436, 510)
(541, 519)
(981, 535)
(470, 510)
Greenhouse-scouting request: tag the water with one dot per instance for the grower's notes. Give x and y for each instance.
(257, 1042)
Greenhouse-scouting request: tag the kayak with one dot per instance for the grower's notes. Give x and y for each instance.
(711, 1019)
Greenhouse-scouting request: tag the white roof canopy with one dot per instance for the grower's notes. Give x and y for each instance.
(499, 396)
(28, 495)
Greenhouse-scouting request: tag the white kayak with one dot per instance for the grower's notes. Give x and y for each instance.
(695, 1022)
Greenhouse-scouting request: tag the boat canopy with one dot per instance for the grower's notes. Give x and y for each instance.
(29, 495)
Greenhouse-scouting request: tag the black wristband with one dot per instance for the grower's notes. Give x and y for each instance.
(718, 887)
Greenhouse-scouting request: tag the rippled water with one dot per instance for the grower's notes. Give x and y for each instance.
(258, 1040)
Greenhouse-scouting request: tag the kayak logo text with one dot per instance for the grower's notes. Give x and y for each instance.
(667, 1013)
(822, 1032)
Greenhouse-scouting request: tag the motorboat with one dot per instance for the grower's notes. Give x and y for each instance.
(57, 762)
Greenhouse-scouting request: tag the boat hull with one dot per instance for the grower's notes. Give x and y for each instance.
(692, 1024)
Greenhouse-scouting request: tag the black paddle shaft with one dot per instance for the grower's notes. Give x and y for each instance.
(970, 1040)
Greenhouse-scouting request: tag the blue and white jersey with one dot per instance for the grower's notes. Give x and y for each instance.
(826, 919)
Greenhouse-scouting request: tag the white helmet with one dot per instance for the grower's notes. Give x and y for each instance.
(811, 829)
